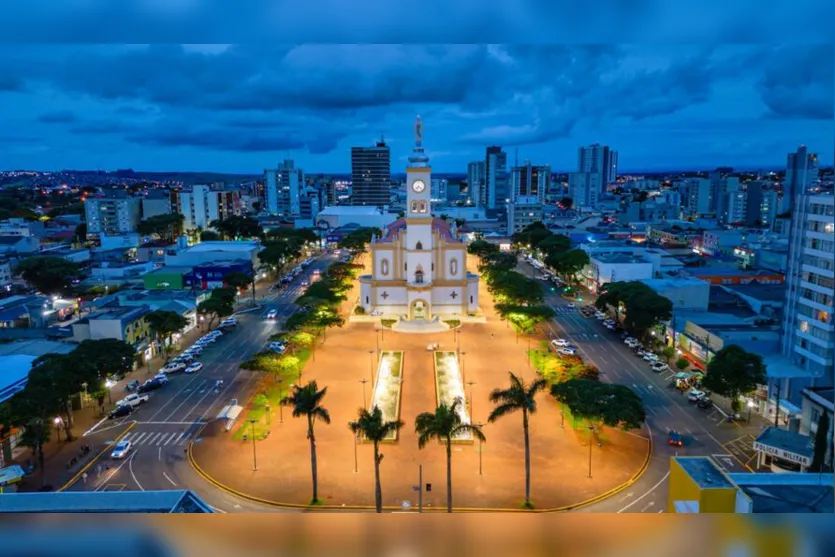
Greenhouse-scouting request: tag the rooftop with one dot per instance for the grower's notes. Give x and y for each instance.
(124, 314)
(11, 240)
(349, 210)
(170, 270)
(788, 492)
(163, 501)
(673, 282)
(704, 472)
(789, 441)
(825, 396)
(618, 258)
(762, 292)
(243, 246)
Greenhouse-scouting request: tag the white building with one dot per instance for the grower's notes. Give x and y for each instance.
(205, 252)
(684, 292)
(604, 268)
(601, 160)
(530, 181)
(337, 216)
(697, 196)
(523, 211)
(475, 182)
(801, 175)
(282, 189)
(584, 189)
(112, 215)
(203, 204)
(419, 269)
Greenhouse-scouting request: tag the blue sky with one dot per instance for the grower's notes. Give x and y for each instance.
(242, 108)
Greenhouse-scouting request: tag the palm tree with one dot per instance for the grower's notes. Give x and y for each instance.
(519, 396)
(306, 401)
(444, 424)
(371, 426)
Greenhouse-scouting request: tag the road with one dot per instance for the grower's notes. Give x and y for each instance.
(705, 432)
(161, 429)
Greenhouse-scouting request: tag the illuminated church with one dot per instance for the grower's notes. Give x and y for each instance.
(418, 270)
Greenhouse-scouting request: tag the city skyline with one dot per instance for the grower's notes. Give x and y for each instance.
(232, 108)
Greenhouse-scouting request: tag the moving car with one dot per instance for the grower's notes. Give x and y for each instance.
(567, 351)
(121, 450)
(558, 342)
(570, 305)
(120, 412)
(133, 400)
(306, 282)
(173, 367)
(674, 439)
(694, 395)
(193, 368)
(272, 314)
(151, 385)
(185, 358)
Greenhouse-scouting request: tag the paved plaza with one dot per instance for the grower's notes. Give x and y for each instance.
(559, 455)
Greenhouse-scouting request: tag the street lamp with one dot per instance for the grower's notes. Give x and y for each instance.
(254, 460)
(58, 427)
(480, 450)
(471, 383)
(591, 434)
(364, 400)
(750, 406)
(462, 365)
(371, 362)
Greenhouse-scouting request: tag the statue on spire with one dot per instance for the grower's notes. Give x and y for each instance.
(418, 131)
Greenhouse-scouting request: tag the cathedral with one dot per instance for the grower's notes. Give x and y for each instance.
(419, 265)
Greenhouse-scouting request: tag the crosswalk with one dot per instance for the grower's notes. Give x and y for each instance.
(159, 438)
(583, 336)
(564, 309)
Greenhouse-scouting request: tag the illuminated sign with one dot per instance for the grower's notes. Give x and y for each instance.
(782, 454)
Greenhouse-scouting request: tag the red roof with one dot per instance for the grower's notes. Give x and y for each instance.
(443, 227)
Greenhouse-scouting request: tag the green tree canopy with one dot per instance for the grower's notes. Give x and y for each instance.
(554, 244)
(606, 403)
(482, 248)
(823, 443)
(567, 264)
(498, 261)
(278, 252)
(642, 308)
(210, 236)
(733, 372)
(532, 235)
(526, 318)
(164, 324)
(48, 274)
(514, 288)
(237, 227)
(220, 304)
(238, 280)
(107, 357)
(343, 271)
(167, 226)
(301, 235)
(358, 239)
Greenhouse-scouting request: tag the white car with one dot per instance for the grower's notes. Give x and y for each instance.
(650, 357)
(173, 367)
(658, 367)
(272, 314)
(695, 395)
(570, 305)
(567, 351)
(193, 368)
(600, 315)
(195, 349)
(559, 342)
(278, 347)
(215, 333)
(630, 341)
(161, 377)
(208, 339)
(121, 450)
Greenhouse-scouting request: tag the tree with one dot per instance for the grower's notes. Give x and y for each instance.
(301, 235)
(343, 271)
(567, 264)
(300, 340)
(358, 239)
(278, 252)
(220, 304)
(444, 424)
(372, 426)
(520, 396)
(209, 236)
(325, 318)
(235, 226)
(37, 433)
(640, 307)
(682, 364)
(525, 318)
(515, 288)
(602, 403)
(481, 248)
(733, 372)
(54, 378)
(668, 352)
(105, 357)
(167, 226)
(567, 202)
(80, 233)
(49, 274)
(240, 282)
(554, 244)
(823, 441)
(306, 402)
(163, 324)
(532, 235)
(498, 261)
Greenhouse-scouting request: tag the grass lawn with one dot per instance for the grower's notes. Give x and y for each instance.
(272, 392)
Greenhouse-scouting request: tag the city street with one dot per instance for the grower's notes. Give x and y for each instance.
(705, 432)
(161, 429)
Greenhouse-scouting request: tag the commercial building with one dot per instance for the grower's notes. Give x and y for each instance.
(14, 245)
(530, 181)
(113, 215)
(801, 176)
(600, 160)
(684, 292)
(21, 227)
(204, 204)
(523, 211)
(604, 268)
(809, 327)
(494, 192)
(584, 189)
(205, 252)
(721, 188)
(122, 323)
(475, 182)
(168, 278)
(371, 175)
(211, 275)
(155, 203)
(697, 196)
(337, 217)
(282, 189)
(721, 242)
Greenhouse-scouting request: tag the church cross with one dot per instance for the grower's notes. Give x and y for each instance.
(384, 295)
(454, 295)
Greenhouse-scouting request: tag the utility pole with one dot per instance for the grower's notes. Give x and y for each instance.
(420, 488)
(777, 405)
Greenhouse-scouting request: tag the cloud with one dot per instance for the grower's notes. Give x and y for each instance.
(57, 117)
(799, 82)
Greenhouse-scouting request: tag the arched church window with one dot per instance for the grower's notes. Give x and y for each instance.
(453, 267)
(422, 206)
(384, 267)
(419, 245)
(414, 207)
(419, 276)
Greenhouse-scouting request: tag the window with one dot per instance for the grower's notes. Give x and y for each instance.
(384, 267)
(419, 277)
(366, 299)
(419, 245)
(471, 299)
(453, 267)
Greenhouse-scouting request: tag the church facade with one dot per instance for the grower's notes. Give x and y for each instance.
(419, 265)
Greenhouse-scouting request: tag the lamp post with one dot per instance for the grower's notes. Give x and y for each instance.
(58, 427)
(591, 434)
(371, 362)
(356, 462)
(480, 425)
(254, 460)
(471, 383)
(750, 406)
(462, 366)
(280, 406)
(364, 399)
(267, 407)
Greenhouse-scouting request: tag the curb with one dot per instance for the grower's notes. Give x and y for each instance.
(98, 456)
(330, 508)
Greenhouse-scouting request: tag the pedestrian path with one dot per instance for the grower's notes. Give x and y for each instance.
(159, 438)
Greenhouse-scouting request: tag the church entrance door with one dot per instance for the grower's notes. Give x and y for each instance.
(419, 310)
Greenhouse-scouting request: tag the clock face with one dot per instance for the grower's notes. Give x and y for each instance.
(418, 186)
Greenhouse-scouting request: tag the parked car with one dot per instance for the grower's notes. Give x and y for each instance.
(194, 368)
(600, 315)
(658, 367)
(151, 385)
(185, 358)
(624, 335)
(272, 314)
(208, 339)
(161, 377)
(133, 400)
(121, 450)
(640, 352)
(567, 351)
(132, 386)
(570, 305)
(610, 326)
(694, 395)
(704, 402)
(559, 342)
(120, 412)
(651, 357)
(279, 347)
(195, 349)
(173, 367)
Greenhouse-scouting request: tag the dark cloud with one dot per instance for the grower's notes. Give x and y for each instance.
(58, 117)
(799, 82)
(234, 140)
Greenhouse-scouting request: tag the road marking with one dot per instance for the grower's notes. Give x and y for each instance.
(89, 431)
(138, 437)
(217, 509)
(178, 441)
(159, 454)
(163, 437)
(154, 438)
(602, 359)
(130, 468)
(651, 411)
(169, 479)
(667, 409)
(653, 488)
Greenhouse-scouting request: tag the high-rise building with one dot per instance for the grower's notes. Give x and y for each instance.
(494, 193)
(475, 182)
(720, 186)
(734, 208)
(371, 175)
(439, 190)
(330, 193)
(584, 189)
(283, 185)
(523, 211)
(530, 181)
(697, 196)
(801, 175)
(203, 204)
(112, 215)
(155, 203)
(808, 324)
(601, 160)
(769, 208)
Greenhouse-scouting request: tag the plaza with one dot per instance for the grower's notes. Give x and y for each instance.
(559, 454)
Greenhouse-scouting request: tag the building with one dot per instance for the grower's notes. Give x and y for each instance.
(722, 273)
(769, 208)
(117, 214)
(168, 278)
(439, 190)
(418, 267)
(22, 227)
(476, 182)
(371, 175)
(204, 204)
(721, 242)
(817, 402)
(600, 160)
(331, 218)
(734, 208)
(13, 245)
(523, 211)
(282, 189)
(122, 323)
(720, 188)
(530, 181)
(684, 292)
(698, 484)
(204, 252)
(604, 268)
(584, 189)
(494, 193)
(801, 176)
(808, 323)
(697, 196)
(106, 502)
(211, 275)
(155, 203)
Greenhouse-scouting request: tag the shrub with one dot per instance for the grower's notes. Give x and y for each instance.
(682, 363)
(453, 323)
(359, 310)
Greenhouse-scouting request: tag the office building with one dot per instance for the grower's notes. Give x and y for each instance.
(155, 203)
(754, 203)
(112, 215)
(282, 187)
(601, 160)
(202, 205)
(494, 193)
(697, 196)
(475, 182)
(439, 190)
(801, 175)
(734, 208)
(584, 189)
(530, 181)
(808, 324)
(523, 211)
(371, 175)
(769, 208)
(720, 187)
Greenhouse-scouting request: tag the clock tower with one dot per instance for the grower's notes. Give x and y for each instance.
(418, 180)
